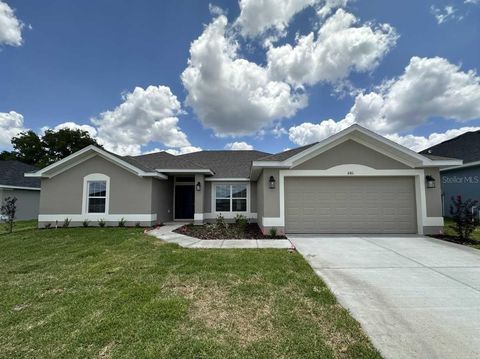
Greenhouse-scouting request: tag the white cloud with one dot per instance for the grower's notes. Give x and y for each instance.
(232, 95)
(445, 14)
(338, 48)
(11, 124)
(73, 126)
(475, 2)
(146, 115)
(419, 143)
(308, 132)
(238, 146)
(257, 16)
(331, 5)
(10, 26)
(183, 150)
(429, 87)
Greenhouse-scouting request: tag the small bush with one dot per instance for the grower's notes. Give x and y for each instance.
(8, 211)
(241, 222)
(66, 222)
(221, 222)
(101, 222)
(85, 223)
(273, 232)
(47, 226)
(137, 225)
(122, 222)
(464, 217)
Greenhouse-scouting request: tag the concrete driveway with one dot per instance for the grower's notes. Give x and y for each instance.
(416, 297)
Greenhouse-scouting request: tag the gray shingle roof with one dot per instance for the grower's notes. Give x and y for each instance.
(225, 164)
(465, 147)
(437, 158)
(282, 156)
(12, 174)
(164, 160)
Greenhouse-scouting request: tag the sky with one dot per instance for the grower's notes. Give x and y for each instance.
(187, 75)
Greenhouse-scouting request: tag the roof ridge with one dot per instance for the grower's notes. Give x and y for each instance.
(287, 151)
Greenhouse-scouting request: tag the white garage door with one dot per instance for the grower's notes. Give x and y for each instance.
(350, 205)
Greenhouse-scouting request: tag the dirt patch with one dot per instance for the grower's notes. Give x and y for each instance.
(213, 306)
(230, 231)
(106, 351)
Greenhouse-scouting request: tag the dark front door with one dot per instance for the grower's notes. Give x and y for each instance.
(184, 201)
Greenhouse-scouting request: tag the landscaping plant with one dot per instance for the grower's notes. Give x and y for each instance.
(241, 222)
(85, 223)
(273, 232)
(101, 222)
(66, 222)
(462, 213)
(122, 222)
(8, 212)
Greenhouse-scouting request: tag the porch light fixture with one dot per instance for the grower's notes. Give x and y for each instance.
(271, 182)
(198, 186)
(430, 181)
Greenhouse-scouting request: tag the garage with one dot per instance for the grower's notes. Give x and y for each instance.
(350, 205)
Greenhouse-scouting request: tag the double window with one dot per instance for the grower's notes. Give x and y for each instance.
(231, 198)
(97, 196)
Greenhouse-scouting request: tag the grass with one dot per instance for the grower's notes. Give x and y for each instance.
(19, 226)
(449, 232)
(117, 293)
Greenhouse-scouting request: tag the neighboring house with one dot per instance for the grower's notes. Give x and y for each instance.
(461, 180)
(353, 182)
(14, 184)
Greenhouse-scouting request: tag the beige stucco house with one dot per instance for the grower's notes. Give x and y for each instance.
(353, 182)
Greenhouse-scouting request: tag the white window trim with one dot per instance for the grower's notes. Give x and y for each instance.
(214, 197)
(90, 178)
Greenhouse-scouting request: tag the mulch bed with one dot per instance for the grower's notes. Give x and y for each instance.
(453, 239)
(231, 231)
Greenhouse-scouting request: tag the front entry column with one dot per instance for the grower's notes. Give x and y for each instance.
(199, 195)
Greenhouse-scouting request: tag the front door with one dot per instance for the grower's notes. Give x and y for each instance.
(184, 201)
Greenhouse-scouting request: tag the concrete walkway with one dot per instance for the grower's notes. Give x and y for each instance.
(416, 297)
(165, 233)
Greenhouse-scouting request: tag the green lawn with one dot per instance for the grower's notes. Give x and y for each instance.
(19, 226)
(115, 292)
(450, 232)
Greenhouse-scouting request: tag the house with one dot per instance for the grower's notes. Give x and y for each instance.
(353, 182)
(461, 180)
(13, 183)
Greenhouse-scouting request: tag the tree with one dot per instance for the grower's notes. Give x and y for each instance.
(463, 216)
(28, 148)
(52, 146)
(8, 212)
(62, 143)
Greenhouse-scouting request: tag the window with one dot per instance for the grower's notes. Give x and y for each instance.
(97, 196)
(231, 198)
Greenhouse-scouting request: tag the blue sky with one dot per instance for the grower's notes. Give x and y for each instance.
(411, 74)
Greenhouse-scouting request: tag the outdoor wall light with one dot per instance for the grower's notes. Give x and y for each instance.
(430, 181)
(271, 182)
(198, 187)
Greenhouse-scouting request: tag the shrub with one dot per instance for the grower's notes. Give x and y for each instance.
(85, 223)
(137, 225)
(221, 222)
(8, 212)
(273, 232)
(101, 222)
(47, 226)
(241, 222)
(122, 222)
(66, 222)
(463, 216)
